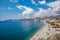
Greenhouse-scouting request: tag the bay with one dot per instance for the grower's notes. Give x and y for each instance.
(18, 30)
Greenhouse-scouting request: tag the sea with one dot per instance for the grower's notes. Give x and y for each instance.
(18, 30)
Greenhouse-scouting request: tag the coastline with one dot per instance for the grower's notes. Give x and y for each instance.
(41, 32)
(35, 31)
(46, 33)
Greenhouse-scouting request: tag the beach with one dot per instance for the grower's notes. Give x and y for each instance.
(40, 33)
(44, 33)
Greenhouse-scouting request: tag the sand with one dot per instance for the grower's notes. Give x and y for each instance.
(43, 33)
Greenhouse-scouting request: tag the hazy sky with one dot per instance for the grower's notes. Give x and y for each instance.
(17, 9)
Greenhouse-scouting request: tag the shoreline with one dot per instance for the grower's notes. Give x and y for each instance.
(35, 32)
(40, 32)
(46, 33)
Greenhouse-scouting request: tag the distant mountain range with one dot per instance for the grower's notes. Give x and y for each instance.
(53, 17)
(36, 18)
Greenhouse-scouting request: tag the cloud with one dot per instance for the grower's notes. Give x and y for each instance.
(52, 11)
(42, 12)
(45, 13)
(20, 7)
(13, 0)
(10, 16)
(42, 2)
(33, 2)
(57, 0)
(55, 4)
(10, 8)
(28, 12)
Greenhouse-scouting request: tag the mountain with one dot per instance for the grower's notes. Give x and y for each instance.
(53, 17)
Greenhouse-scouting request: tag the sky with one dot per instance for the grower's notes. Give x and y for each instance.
(20, 9)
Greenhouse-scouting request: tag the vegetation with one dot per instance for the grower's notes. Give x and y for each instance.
(54, 37)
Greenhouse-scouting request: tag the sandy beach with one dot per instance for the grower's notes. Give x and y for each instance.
(44, 33)
(40, 33)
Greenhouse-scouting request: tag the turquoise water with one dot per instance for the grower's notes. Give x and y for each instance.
(18, 30)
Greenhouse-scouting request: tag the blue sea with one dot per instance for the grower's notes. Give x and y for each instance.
(18, 30)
